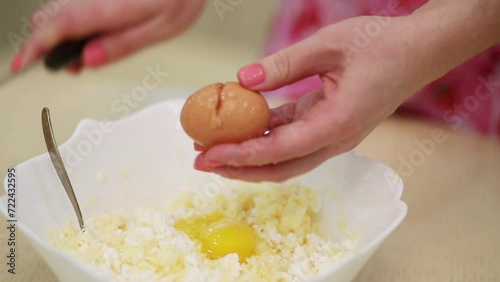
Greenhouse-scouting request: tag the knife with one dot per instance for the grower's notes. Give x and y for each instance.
(63, 55)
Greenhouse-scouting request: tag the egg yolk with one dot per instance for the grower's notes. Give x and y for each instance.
(227, 237)
(219, 236)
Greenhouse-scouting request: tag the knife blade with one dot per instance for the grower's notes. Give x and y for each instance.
(65, 54)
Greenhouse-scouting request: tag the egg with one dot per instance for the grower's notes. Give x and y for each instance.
(225, 113)
(219, 235)
(226, 237)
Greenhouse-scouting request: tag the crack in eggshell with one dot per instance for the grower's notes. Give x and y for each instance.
(224, 113)
(215, 120)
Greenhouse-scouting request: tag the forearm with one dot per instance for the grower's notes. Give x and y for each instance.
(445, 33)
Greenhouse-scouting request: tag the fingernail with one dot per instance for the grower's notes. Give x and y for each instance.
(199, 163)
(251, 75)
(213, 163)
(17, 62)
(199, 148)
(94, 55)
(199, 167)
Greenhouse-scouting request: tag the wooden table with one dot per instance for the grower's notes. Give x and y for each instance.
(452, 231)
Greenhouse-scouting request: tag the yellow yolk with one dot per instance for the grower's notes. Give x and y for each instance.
(227, 237)
(194, 227)
(219, 236)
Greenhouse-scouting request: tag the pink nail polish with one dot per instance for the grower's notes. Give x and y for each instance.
(199, 163)
(201, 168)
(94, 55)
(199, 148)
(16, 63)
(251, 75)
(212, 163)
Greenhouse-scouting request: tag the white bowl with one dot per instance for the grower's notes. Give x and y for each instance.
(146, 159)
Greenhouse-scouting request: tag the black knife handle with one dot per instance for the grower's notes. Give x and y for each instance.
(65, 54)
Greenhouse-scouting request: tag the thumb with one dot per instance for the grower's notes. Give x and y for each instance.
(306, 58)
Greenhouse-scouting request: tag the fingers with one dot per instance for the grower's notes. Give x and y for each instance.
(279, 116)
(16, 63)
(116, 45)
(302, 133)
(282, 115)
(304, 59)
(274, 173)
(79, 19)
(285, 143)
(198, 147)
(280, 145)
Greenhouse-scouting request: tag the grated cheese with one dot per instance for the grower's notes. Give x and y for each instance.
(144, 245)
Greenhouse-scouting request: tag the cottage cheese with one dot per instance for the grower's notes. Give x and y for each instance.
(145, 245)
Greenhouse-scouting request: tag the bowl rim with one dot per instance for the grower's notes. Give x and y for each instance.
(397, 185)
(379, 238)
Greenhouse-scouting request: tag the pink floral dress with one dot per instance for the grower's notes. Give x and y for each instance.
(468, 97)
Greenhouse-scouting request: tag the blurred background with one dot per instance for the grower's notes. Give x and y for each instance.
(211, 51)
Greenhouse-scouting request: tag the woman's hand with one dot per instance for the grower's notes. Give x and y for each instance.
(368, 67)
(122, 26)
(361, 87)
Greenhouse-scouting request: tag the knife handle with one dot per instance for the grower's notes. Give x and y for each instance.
(65, 54)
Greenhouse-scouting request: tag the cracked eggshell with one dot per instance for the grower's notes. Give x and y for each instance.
(225, 113)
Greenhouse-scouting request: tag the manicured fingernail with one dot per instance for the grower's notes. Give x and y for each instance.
(251, 75)
(94, 55)
(199, 148)
(17, 62)
(213, 163)
(200, 167)
(199, 163)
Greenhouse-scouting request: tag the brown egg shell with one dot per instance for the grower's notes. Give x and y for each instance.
(225, 113)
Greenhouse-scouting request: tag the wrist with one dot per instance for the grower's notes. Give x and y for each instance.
(443, 34)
